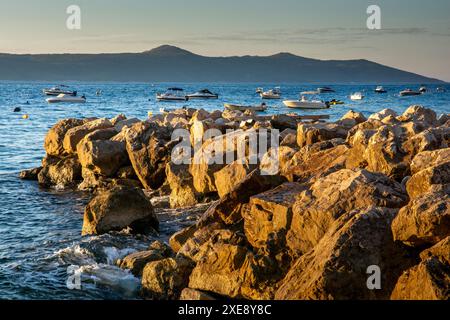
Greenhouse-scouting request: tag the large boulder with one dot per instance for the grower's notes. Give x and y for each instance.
(228, 209)
(334, 195)
(315, 164)
(183, 193)
(419, 114)
(65, 172)
(136, 261)
(231, 175)
(30, 174)
(424, 221)
(221, 150)
(117, 209)
(430, 279)
(228, 270)
(148, 146)
(353, 117)
(308, 134)
(384, 153)
(338, 267)
(102, 156)
(53, 143)
(426, 159)
(75, 135)
(383, 114)
(434, 178)
(270, 215)
(164, 279)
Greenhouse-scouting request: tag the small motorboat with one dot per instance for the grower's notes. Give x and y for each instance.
(423, 89)
(56, 91)
(309, 92)
(271, 94)
(66, 98)
(357, 96)
(304, 103)
(259, 90)
(172, 94)
(203, 94)
(335, 102)
(380, 89)
(325, 90)
(243, 108)
(409, 92)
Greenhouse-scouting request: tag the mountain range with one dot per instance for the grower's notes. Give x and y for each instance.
(171, 64)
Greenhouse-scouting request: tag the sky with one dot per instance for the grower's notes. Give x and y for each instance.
(414, 34)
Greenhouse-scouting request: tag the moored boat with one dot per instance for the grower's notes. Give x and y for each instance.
(243, 108)
(380, 89)
(409, 92)
(55, 91)
(66, 98)
(357, 96)
(325, 90)
(203, 94)
(172, 94)
(271, 94)
(304, 103)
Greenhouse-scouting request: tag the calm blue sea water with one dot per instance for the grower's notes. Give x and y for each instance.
(40, 229)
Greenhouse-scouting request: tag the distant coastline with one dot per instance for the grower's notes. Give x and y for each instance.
(172, 64)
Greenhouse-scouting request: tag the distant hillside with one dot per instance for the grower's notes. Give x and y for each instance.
(172, 64)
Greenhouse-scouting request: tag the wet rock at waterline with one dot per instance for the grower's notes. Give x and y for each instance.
(119, 208)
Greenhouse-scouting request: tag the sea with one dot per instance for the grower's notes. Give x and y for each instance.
(41, 247)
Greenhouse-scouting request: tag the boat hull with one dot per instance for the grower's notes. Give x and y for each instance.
(408, 94)
(244, 108)
(305, 104)
(54, 100)
(57, 93)
(191, 97)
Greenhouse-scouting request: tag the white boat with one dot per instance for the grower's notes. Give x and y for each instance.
(409, 92)
(66, 99)
(243, 108)
(380, 89)
(423, 89)
(357, 96)
(55, 91)
(172, 94)
(271, 94)
(304, 103)
(325, 90)
(203, 94)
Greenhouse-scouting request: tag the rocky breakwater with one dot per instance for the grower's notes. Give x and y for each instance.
(354, 209)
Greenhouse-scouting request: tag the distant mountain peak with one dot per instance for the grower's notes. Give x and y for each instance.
(168, 50)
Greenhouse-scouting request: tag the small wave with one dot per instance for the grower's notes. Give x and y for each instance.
(110, 276)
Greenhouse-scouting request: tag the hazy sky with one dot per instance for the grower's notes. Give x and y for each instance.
(415, 34)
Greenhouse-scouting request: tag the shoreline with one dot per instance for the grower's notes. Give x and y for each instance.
(256, 225)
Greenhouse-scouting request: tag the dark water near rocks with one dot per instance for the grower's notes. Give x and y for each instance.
(40, 229)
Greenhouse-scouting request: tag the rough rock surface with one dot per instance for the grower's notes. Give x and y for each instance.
(430, 279)
(53, 143)
(164, 279)
(336, 268)
(65, 172)
(74, 135)
(148, 152)
(334, 195)
(424, 221)
(119, 208)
